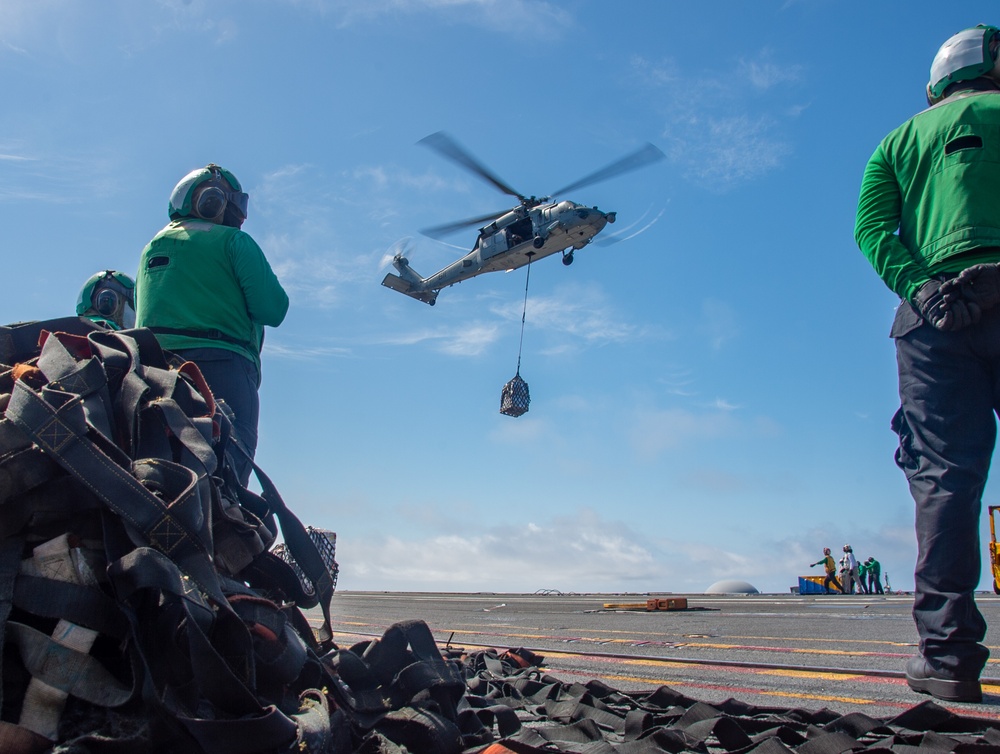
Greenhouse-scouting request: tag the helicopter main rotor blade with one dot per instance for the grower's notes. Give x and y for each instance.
(446, 146)
(439, 231)
(641, 157)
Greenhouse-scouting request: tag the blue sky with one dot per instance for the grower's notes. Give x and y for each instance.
(710, 398)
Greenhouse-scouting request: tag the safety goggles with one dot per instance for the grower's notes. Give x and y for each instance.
(238, 199)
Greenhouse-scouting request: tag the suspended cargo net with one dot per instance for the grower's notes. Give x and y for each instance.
(326, 543)
(514, 398)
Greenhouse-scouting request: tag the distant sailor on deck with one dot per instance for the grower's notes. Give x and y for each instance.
(831, 571)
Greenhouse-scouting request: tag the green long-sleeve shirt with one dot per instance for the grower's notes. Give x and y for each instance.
(828, 563)
(196, 275)
(935, 180)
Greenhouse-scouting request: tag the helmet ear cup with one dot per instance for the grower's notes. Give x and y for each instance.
(994, 51)
(210, 203)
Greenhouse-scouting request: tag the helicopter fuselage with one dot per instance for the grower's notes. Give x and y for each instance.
(522, 235)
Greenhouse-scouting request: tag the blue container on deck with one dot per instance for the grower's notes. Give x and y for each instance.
(810, 585)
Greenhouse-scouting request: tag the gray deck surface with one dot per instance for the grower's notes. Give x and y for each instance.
(792, 634)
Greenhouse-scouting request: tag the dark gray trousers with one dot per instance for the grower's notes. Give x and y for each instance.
(949, 391)
(234, 379)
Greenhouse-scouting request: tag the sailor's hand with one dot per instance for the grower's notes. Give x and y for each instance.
(979, 284)
(944, 306)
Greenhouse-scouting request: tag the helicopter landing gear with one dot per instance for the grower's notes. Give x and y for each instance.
(538, 242)
(567, 258)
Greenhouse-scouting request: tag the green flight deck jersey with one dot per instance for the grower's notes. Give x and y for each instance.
(212, 282)
(935, 180)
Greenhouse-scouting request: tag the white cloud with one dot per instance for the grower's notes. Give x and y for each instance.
(584, 552)
(383, 177)
(719, 130)
(464, 339)
(28, 175)
(580, 310)
(763, 73)
(723, 152)
(287, 350)
(307, 253)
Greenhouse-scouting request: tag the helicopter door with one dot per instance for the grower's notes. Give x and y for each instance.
(519, 232)
(493, 244)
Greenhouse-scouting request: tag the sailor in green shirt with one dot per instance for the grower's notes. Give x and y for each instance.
(874, 569)
(206, 289)
(928, 220)
(108, 299)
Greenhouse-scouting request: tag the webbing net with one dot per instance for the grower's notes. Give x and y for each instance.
(514, 398)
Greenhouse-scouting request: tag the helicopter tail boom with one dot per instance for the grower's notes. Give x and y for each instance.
(398, 284)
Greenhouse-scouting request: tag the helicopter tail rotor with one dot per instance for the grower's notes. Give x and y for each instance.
(408, 281)
(402, 264)
(397, 251)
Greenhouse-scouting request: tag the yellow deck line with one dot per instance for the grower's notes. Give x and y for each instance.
(762, 692)
(699, 644)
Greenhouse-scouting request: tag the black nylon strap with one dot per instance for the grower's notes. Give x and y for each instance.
(10, 562)
(19, 342)
(204, 334)
(301, 546)
(270, 730)
(66, 669)
(82, 605)
(173, 527)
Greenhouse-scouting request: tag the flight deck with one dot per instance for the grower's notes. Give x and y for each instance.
(845, 653)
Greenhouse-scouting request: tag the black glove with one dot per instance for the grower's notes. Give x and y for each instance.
(979, 284)
(943, 305)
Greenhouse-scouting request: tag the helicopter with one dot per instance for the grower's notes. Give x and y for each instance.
(536, 228)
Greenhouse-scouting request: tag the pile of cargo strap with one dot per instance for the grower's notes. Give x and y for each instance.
(593, 718)
(144, 608)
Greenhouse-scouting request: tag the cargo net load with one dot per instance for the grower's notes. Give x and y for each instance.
(514, 398)
(326, 544)
(142, 601)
